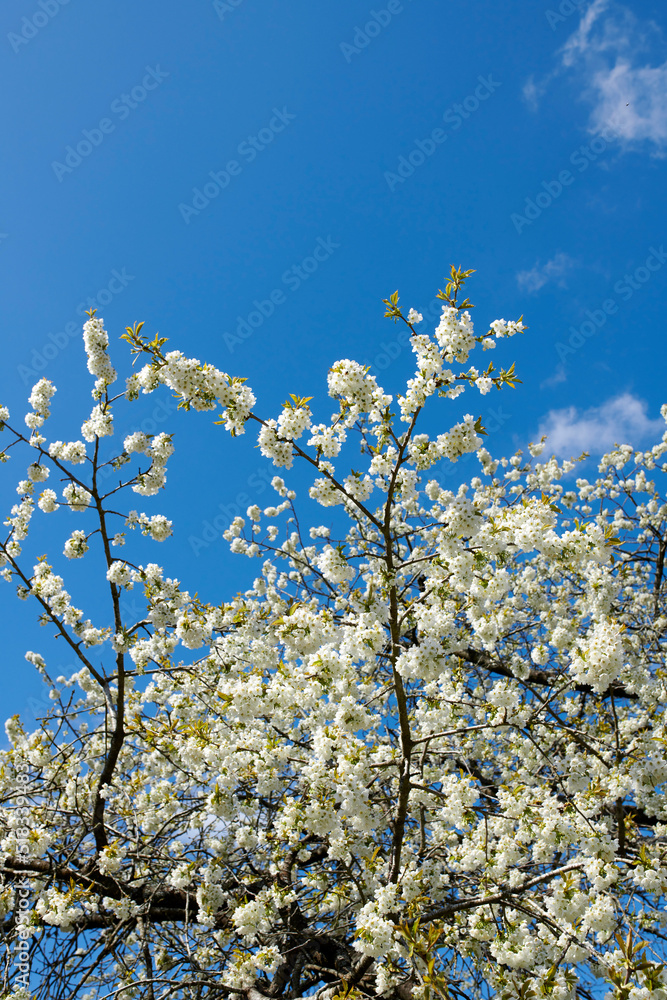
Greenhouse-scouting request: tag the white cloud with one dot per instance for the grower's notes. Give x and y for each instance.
(559, 375)
(532, 92)
(583, 43)
(621, 420)
(624, 82)
(540, 274)
(633, 100)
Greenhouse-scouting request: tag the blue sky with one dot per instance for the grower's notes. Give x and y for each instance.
(251, 179)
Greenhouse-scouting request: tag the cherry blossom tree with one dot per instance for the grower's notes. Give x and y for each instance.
(421, 756)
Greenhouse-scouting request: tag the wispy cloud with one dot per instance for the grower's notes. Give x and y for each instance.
(540, 274)
(611, 55)
(533, 92)
(559, 375)
(633, 99)
(584, 42)
(621, 420)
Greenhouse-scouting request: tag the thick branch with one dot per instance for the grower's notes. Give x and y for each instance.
(543, 678)
(118, 735)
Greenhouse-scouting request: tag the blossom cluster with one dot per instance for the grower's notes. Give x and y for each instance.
(40, 398)
(425, 742)
(96, 343)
